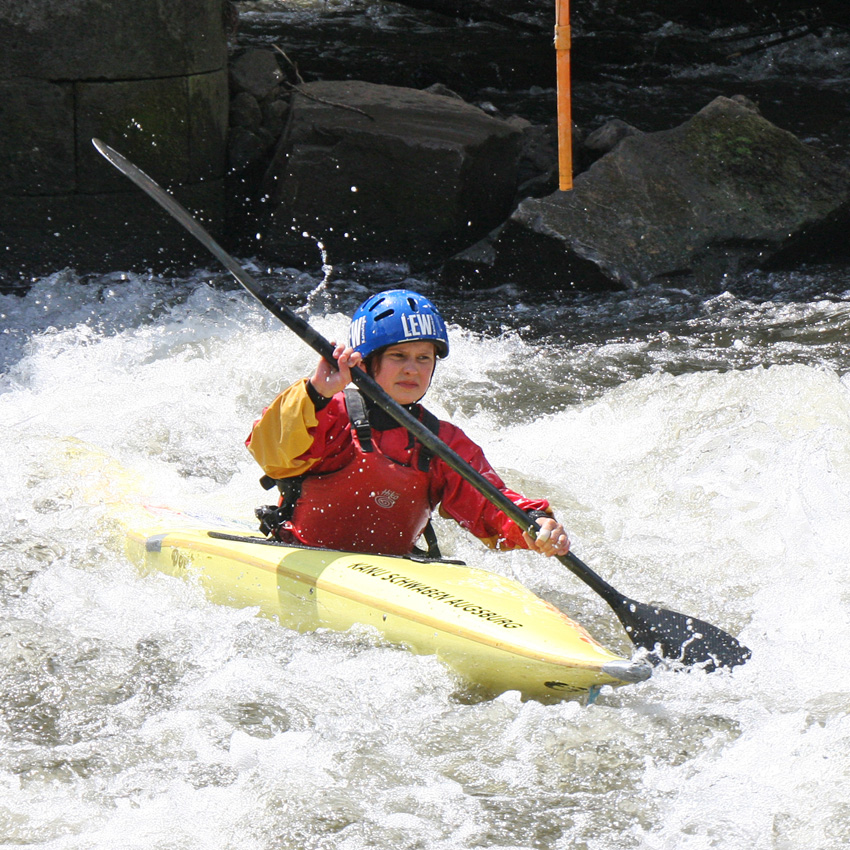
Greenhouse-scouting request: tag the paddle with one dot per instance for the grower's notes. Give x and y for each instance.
(661, 632)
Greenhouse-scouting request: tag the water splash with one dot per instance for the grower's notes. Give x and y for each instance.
(135, 713)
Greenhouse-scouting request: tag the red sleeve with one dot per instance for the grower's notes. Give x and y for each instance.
(332, 446)
(462, 502)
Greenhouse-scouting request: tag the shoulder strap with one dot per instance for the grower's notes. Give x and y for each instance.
(359, 418)
(360, 423)
(432, 424)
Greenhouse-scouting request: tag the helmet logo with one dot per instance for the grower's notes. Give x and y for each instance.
(357, 333)
(417, 325)
(387, 498)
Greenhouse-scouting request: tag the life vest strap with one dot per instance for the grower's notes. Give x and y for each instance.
(359, 418)
(271, 516)
(425, 454)
(430, 536)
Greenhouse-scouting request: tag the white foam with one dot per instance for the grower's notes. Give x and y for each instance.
(138, 714)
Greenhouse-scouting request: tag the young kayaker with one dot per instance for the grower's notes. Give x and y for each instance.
(355, 480)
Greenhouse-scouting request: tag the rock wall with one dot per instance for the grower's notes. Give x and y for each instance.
(149, 77)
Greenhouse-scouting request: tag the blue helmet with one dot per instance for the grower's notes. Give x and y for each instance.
(398, 315)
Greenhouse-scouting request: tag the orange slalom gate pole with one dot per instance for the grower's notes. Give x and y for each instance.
(565, 115)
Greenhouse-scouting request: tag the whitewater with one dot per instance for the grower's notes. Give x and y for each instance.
(697, 448)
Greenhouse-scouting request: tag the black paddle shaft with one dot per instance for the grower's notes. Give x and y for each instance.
(663, 633)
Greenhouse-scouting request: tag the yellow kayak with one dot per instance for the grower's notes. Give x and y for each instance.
(490, 629)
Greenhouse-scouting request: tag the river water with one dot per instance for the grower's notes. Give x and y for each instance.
(696, 446)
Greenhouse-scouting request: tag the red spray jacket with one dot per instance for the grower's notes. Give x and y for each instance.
(292, 438)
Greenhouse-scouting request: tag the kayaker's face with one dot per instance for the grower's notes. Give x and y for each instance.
(405, 370)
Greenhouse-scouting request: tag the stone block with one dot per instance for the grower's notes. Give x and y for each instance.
(146, 120)
(208, 124)
(256, 72)
(37, 137)
(152, 123)
(175, 129)
(110, 39)
(105, 232)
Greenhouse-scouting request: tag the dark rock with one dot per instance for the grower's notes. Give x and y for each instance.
(726, 191)
(538, 164)
(254, 130)
(439, 88)
(474, 266)
(274, 116)
(256, 72)
(512, 254)
(604, 139)
(245, 147)
(526, 14)
(384, 173)
(245, 112)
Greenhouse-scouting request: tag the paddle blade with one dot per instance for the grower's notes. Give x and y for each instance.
(677, 637)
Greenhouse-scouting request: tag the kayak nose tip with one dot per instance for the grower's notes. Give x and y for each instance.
(628, 671)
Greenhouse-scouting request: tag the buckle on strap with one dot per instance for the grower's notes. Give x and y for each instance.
(359, 418)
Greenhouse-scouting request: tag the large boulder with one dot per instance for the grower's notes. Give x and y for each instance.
(724, 192)
(384, 173)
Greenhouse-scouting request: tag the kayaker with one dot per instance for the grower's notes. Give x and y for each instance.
(351, 477)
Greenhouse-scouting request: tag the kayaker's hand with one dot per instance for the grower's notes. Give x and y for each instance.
(328, 381)
(551, 539)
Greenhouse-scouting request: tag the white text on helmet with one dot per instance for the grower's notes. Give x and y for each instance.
(357, 333)
(417, 325)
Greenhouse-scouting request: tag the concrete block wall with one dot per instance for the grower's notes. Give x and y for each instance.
(149, 77)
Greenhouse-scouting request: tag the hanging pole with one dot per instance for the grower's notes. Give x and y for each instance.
(565, 116)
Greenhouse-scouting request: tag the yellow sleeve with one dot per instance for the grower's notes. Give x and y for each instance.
(282, 434)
